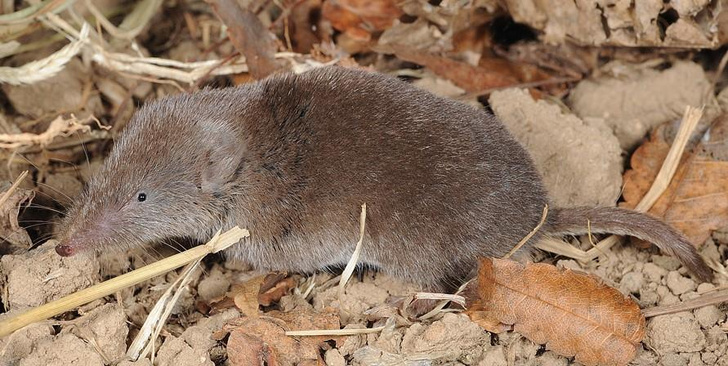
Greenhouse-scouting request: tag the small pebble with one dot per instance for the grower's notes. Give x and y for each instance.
(632, 282)
(213, 286)
(678, 332)
(673, 359)
(333, 357)
(705, 287)
(679, 284)
(667, 262)
(654, 272)
(666, 297)
(708, 316)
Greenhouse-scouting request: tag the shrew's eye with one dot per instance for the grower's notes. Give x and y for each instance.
(142, 197)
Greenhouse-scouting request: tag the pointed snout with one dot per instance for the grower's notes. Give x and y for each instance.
(65, 250)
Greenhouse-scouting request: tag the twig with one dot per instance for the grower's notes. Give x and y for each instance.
(349, 269)
(533, 84)
(531, 234)
(133, 23)
(249, 36)
(46, 67)
(13, 187)
(53, 308)
(34, 11)
(340, 332)
(143, 343)
(698, 302)
(334, 332)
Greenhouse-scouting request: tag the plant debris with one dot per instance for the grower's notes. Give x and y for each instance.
(696, 201)
(573, 313)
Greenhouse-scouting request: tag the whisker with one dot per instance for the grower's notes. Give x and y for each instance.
(85, 152)
(43, 238)
(45, 194)
(57, 191)
(35, 205)
(35, 225)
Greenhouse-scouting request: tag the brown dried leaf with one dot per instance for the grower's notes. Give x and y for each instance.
(246, 349)
(573, 313)
(245, 295)
(491, 72)
(264, 339)
(10, 230)
(261, 290)
(304, 34)
(696, 201)
(249, 36)
(469, 77)
(373, 16)
(274, 286)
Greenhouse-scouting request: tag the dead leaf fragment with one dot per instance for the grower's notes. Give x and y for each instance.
(58, 127)
(574, 314)
(245, 296)
(696, 201)
(249, 36)
(245, 349)
(10, 230)
(375, 15)
(274, 286)
(264, 339)
(469, 77)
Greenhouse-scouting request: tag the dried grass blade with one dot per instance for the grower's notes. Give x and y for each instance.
(53, 308)
(142, 344)
(349, 269)
(45, 68)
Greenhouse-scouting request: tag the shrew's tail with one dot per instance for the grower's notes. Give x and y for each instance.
(620, 221)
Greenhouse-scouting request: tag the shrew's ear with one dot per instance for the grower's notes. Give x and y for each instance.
(223, 157)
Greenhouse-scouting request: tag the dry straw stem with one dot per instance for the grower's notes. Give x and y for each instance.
(144, 341)
(13, 187)
(349, 269)
(333, 332)
(45, 68)
(340, 332)
(698, 302)
(531, 234)
(690, 120)
(33, 12)
(132, 24)
(58, 127)
(53, 308)
(458, 299)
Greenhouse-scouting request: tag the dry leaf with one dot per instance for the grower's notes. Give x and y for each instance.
(245, 295)
(274, 286)
(303, 25)
(375, 15)
(261, 290)
(249, 36)
(264, 339)
(245, 349)
(696, 201)
(469, 77)
(10, 230)
(573, 313)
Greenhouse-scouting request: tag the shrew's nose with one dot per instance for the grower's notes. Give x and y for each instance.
(64, 250)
